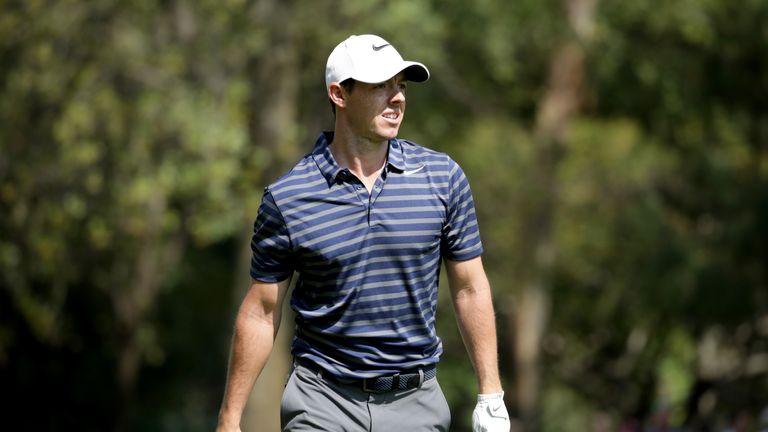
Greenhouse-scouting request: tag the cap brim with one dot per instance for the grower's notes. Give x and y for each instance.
(414, 71)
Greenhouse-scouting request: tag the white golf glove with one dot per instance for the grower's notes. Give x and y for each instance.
(490, 414)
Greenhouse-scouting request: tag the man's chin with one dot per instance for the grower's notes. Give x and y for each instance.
(390, 133)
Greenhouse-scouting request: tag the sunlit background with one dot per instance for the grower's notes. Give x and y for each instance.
(617, 151)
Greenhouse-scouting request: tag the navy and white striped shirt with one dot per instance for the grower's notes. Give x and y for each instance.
(368, 264)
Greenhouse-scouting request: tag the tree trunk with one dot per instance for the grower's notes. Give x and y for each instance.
(134, 300)
(273, 124)
(559, 105)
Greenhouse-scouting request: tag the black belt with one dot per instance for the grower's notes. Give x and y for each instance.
(406, 380)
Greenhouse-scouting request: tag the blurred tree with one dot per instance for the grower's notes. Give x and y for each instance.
(124, 139)
(669, 266)
(135, 139)
(559, 105)
(273, 116)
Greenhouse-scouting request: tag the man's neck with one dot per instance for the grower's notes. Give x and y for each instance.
(363, 157)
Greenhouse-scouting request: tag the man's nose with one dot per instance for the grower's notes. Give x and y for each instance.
(398, 96)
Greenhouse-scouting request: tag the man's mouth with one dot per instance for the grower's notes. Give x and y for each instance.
(391, 115)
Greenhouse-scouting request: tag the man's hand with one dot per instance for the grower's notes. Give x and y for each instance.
(490, 414)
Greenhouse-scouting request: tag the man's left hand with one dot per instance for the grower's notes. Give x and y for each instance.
(490, 414)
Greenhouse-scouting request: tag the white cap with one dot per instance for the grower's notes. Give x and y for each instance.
(370, 59)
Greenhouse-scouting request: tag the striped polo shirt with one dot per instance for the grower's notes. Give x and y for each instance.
(368, 263)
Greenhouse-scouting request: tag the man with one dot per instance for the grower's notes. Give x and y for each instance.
(365, 220)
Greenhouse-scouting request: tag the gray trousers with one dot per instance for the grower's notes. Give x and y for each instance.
(313, 403)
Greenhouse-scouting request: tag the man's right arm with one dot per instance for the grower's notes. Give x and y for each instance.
(256, 326)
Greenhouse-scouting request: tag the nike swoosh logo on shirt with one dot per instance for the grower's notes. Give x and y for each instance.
(378, 48)
(414, 171)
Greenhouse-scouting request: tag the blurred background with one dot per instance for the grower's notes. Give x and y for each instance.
(617, 150)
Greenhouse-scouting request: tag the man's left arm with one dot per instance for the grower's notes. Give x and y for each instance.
(471, 296)
(473, 303)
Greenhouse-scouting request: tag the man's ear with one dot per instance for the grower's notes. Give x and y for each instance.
(338, 95)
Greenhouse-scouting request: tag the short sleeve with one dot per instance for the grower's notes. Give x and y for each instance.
(271, 259)
(461, 234)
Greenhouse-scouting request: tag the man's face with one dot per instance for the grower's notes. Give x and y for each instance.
(375, 111)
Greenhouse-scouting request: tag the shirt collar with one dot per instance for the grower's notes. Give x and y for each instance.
(331, 169)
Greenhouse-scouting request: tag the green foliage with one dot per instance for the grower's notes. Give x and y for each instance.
(130, 169)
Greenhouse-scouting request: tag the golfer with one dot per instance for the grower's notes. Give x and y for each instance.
(367, 220)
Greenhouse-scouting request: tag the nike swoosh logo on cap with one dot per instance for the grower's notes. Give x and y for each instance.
(378, 48)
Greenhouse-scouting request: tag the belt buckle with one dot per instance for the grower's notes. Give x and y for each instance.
(421, 377)
(396, 379)
(395, 384)
(367, 389)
